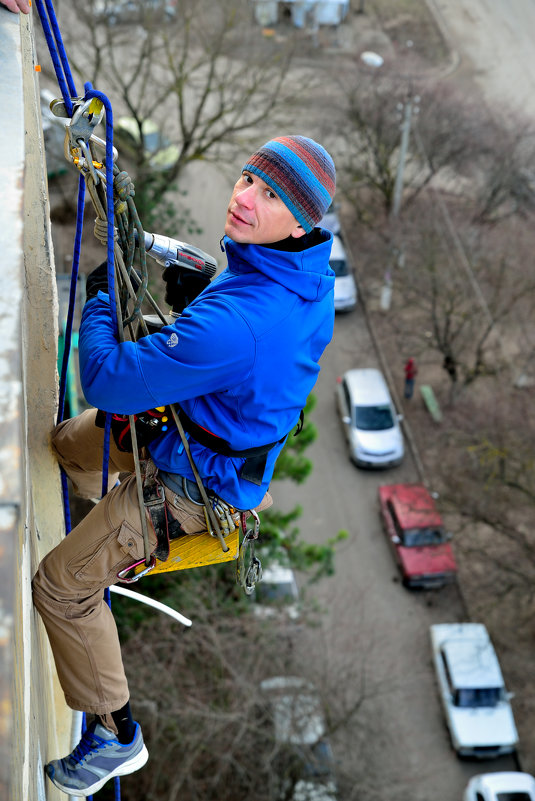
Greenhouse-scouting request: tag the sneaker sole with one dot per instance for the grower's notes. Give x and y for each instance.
(131, 766)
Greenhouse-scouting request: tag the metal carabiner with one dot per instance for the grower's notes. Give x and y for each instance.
(248, 577)
(121, 575)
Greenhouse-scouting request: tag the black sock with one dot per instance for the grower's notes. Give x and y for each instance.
(125, 724)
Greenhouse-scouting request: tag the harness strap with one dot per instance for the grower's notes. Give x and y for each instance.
(255, 458)
(165, 528)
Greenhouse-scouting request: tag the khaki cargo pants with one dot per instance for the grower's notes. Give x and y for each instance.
(68, 588)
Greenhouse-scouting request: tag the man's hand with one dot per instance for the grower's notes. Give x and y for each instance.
(182, 286)
(17, 5)
(96, 280)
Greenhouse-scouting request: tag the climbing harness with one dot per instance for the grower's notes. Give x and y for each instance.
(119, 228)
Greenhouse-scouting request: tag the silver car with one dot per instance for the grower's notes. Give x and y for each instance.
(370, 422)
(345, 290)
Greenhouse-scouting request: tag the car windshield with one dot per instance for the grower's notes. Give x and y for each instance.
(373, 418)
(339, 266)
(518, 795)
(414, 537)
(474, 698)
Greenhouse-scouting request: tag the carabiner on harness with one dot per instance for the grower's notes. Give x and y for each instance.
(122, 574)
(248, 576)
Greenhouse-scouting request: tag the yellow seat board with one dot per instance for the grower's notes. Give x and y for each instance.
(197, 550)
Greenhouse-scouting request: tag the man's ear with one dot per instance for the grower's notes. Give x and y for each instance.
(298, 231)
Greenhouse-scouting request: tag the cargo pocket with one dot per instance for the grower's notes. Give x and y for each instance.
(99, 566)
(189, 515)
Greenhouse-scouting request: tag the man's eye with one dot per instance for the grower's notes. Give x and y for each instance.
(270, 193)
(247, 178)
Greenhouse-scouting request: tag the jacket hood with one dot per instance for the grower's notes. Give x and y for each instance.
(305, 272)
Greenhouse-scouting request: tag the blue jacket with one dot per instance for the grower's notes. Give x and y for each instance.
(241, 360)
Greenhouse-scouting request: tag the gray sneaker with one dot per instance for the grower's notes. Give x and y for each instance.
(99, 756)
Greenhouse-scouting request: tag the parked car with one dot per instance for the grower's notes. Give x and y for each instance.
(370, 422)
(277, 593)
(331, 221)
(501, 786)
(305, 763)
(476, 705)
(158, 151)
(345, 290)
(416, 534)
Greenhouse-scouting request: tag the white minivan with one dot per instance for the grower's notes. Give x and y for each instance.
(345, 290)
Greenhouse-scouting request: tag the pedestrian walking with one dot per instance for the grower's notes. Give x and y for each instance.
(410, 374)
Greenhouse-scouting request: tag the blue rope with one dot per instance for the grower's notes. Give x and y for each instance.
(92, 93)
(68, 90)
(55, 43)
(72, 296)
(89, 93)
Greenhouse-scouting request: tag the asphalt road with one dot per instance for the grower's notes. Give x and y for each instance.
(371, 654)
(494, 39)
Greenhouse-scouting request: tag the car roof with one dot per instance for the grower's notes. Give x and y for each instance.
(414, 506)
(296, 708)
(275, 573)
(507, 781)
(470, 655)
(367, 386)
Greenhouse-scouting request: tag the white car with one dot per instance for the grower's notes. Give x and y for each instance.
(330, 220)
(157, 150)
(345, 290)
(305, 765)
(476, 705)
(504, 786)
(370, 422)
(277, 593)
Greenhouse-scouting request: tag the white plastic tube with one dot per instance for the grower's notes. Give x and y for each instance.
(137, 596)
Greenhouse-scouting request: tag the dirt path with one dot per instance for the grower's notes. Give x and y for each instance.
(494, 39)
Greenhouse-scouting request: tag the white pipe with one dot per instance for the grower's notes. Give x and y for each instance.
(137, 596)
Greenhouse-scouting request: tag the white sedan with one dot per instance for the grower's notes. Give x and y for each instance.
(476, 705)
(369, 419)
(507, 786)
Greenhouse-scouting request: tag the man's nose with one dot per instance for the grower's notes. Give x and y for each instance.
(247, 197)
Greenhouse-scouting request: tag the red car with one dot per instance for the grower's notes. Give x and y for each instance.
(416, 534)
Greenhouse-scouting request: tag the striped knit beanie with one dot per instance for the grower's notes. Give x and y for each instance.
(302, 174)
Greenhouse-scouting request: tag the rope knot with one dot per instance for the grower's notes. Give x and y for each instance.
(124, 188)
(101, 231)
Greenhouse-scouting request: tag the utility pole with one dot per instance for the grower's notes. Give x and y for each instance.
(405, 131)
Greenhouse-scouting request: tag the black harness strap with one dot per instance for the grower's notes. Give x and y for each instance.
(255, 458)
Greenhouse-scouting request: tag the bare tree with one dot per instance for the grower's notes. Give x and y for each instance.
(205, 75)
(209, 728)
(506, 180)
(437, 307)
(373, 117)
(487, 472)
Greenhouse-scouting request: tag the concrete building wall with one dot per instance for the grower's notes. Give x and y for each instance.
(35, 723)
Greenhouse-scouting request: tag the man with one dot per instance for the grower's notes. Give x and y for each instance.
(240, 361)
